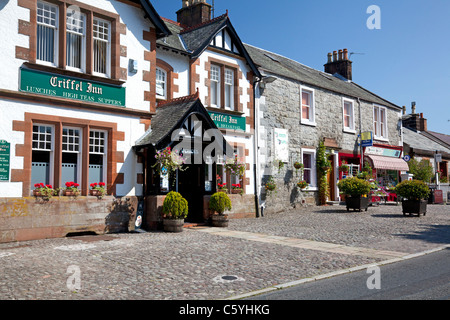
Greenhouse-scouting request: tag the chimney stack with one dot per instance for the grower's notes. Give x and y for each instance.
(193, 12)
(339, 64)
(414, 120)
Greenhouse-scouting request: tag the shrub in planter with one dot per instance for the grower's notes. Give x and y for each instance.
(415, 194)
(220, 202)
(356, 191)
(175, 210)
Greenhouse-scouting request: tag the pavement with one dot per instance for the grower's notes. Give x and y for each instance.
(249, 257)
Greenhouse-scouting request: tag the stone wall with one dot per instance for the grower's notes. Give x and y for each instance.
(32, 218)
(279, 107)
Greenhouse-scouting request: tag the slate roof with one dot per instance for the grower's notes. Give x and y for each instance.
(417, 140)
(171, 116)
(440, 136)
(276, 64)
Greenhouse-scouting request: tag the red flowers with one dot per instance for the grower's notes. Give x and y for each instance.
(236, 186)
(41, 185)
(72, 184)
(222, 185)
(98, 185)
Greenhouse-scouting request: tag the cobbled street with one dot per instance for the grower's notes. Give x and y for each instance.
(254, 253)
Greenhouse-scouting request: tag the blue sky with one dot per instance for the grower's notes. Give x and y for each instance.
(407, 60)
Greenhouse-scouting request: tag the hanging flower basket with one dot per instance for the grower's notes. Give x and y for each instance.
(235, 166)
(169, 160)
(298, 165)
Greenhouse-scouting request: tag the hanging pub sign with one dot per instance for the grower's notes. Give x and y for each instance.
(70, 88)
(229, 122)
(366, 139)
(4, 160)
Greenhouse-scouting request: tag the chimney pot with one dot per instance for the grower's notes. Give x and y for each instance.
(404, 110)
(330, 57)
(340, 55)
(345, 54)
(413, 108)
(334, 56)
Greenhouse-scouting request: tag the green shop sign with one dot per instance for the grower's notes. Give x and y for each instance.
(226, 121)
(70, 88)
(4, 160)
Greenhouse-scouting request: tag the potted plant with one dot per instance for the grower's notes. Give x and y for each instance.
(45, 191)
(97, 189)
(298, 165)
(219, 202)
(175, 210)
(236, 188)
(302, 184)
(415, 195)
(71, 189)
(344, 167)
(356, 191)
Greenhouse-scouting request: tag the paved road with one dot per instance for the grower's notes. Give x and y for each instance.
(422, 278)
(209, 264)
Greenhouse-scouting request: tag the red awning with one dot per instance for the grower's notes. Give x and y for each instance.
(389, 163)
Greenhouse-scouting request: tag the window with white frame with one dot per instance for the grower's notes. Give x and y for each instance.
(101, 34)
(75, 40)
(307, 111)
(309, 167)
(348, 116)
(215, 86)
(71, 155)
(380, 122)
(47, 33)
(42, 154)
(161, 83)
(97, 156)
(229, 89)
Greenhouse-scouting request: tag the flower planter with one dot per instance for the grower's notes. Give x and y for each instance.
(70, 193)
(219, 221)
(414, 207)
(236, 191)
(173, 225)
(357, 203)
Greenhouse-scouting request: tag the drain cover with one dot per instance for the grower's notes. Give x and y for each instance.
(227, 279)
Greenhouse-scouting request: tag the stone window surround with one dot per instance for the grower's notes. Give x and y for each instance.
(171, 87)
(384, 138)
(312, 151)
(313, 111)
(25, 150)
(351, 129)
(117, 28)
(237, 90)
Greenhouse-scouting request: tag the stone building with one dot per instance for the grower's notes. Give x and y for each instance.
(297, 107)
(420, 143)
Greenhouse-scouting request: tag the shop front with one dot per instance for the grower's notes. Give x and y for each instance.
(387, 167)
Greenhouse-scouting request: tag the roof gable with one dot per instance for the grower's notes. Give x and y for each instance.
(150, 12)
(195, 40)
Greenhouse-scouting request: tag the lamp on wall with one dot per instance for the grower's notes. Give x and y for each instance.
(265, 80)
